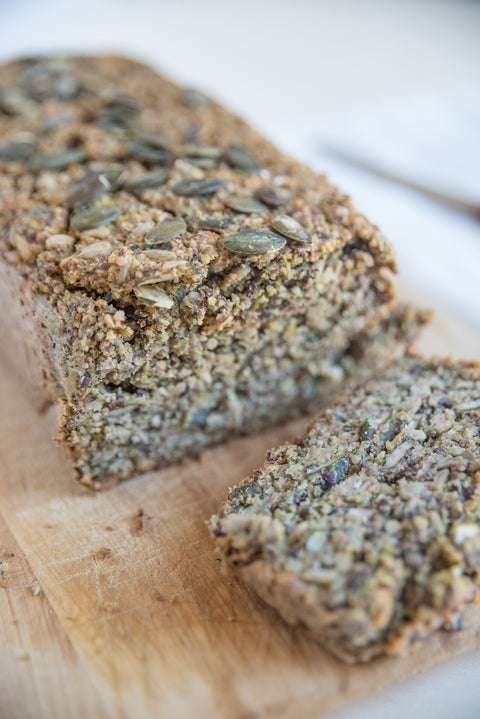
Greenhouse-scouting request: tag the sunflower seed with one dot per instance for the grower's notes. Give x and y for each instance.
(57, 162)
(146, 180)
(205, 163)
(272, 197)
(291, 228)
(16, 150)
(153, 295)
(244, 204)
(87, 219)
(88, 189)
(186, 170)
(215, 225)
(149, 155)
(242, 159)
(195, 98)
(95, 249)
(210, 151)
(191, 188)
(60, 242)
(165, 231)
(253, 242)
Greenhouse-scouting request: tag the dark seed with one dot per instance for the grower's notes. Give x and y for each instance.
(253, 242)
(291, 228)
(16, 150)
(242, 159)
(87, 190)
(191, 188)
(195, 98)
(57, 162)
(87, 219)
(245, 204)
(272, 197)
(367, 430)
(149, 155)
(165, 231)
(146, 180)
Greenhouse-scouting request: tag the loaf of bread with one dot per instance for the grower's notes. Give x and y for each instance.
(175, 278)
(367, 532)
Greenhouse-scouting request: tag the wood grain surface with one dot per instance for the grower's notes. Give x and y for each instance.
(113, 604)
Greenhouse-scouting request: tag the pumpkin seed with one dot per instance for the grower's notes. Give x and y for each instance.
(240, 158)
(120, 111)
(253, 242)
(153, 139)
(291, 228)
(272, 197)
(54, 122)
(57, 162)
(165, 231)
(195, 98)
(113, 175)
(124, 104)
(66, 86)
(115, 118)
(16, 150)
(191, 188)
(14, 101)
(87, 219)
(245, 204)
(191, 132)
(153, 295)
(146, 180)
(88, 189)
(149, 155)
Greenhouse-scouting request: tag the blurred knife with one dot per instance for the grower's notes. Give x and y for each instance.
(450, 200)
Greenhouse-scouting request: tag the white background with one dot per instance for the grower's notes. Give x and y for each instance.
(298, 70)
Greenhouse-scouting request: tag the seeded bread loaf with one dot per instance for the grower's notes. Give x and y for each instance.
(367, 532)
(178, 279)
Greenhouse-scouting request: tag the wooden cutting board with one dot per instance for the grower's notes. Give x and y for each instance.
(113, 605)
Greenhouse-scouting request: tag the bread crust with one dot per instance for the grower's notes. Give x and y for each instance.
(159, 344)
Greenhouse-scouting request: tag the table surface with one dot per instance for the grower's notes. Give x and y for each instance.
(290, 68)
